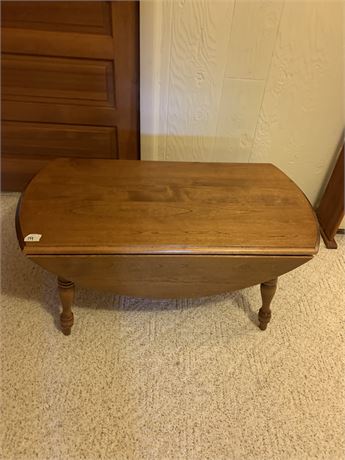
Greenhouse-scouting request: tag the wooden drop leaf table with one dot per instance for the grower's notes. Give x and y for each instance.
(165, 229)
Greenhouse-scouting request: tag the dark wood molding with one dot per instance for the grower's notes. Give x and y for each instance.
(330, 211)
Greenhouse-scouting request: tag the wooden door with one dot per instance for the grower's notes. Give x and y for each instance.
(70, 84)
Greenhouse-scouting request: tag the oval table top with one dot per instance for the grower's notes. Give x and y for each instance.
(81, 206)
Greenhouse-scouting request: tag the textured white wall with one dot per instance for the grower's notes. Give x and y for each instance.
(248, 81)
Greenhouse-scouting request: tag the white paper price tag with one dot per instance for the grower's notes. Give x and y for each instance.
(33, 237)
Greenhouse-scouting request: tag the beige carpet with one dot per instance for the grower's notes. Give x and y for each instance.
(142, 379)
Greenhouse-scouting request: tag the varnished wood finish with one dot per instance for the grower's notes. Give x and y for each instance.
(329, 243)
(332, 207)
(44, 139)
(268, 289)
(58, 80)
(125, 207)
(69, 84)
(90, 17)
(66, 292)
(160, 229)
(168, 276)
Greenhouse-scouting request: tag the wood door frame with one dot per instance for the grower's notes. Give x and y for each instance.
(130, 92)
(330, 211)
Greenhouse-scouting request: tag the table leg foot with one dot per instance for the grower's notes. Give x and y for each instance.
(66, 292)
(268, 289)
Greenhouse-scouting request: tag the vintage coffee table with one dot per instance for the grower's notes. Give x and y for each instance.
(165, 229)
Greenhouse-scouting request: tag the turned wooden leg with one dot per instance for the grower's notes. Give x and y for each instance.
(268, 289)
(66, 292)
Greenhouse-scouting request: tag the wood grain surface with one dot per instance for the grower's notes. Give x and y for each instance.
(70, 84)
(38, 139)
(127, 207)
(90, 17)
(168, 276)
(58, 80)
(331, 209)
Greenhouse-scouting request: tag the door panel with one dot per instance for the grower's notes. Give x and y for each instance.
(39, 140)
(70, 79)
(58, 81)
(36, 42)
(93, 17)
